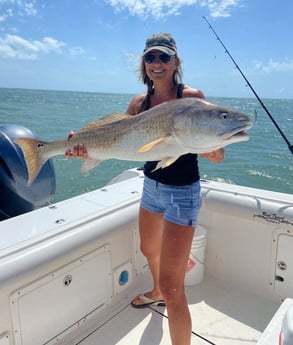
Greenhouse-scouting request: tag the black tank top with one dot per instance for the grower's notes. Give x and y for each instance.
(182, 172)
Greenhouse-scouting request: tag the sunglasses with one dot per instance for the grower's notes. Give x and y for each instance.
(164, 58)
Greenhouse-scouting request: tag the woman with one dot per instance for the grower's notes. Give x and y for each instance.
(171, 196)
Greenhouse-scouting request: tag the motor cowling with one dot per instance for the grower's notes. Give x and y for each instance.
(16, 197)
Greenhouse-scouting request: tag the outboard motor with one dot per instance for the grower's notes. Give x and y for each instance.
(16, 197)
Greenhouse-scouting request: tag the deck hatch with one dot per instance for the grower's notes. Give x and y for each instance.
(52, 305)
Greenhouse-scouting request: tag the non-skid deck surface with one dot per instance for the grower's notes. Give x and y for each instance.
(220, 313)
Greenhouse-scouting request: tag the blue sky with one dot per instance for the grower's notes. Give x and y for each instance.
(94, 45)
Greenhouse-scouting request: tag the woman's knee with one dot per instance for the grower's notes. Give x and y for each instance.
(151, 230)
(172, 288)
(149, 251)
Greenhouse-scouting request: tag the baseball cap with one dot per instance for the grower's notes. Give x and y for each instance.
(163, 42)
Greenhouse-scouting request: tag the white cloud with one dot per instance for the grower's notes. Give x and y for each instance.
(16, 47)
(29, 8)
(274, 66)
(219, 8)
(10, 8)
(3, 17)
(163, 8)
(76, 51)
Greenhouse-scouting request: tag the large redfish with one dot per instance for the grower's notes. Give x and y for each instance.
(162, 133)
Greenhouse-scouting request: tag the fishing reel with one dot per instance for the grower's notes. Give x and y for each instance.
(16, 197)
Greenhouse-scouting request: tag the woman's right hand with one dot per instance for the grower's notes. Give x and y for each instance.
(78, 150)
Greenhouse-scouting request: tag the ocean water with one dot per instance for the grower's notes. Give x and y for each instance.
(263, 162)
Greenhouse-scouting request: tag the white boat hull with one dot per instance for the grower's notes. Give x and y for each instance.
(68, 268)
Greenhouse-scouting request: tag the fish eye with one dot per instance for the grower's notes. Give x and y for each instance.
(224, 116)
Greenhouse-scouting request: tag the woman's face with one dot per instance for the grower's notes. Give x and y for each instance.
(160, 66)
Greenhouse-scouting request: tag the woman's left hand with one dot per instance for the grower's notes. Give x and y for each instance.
(214, 156)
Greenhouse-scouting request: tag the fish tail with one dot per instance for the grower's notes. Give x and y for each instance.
(33, 156)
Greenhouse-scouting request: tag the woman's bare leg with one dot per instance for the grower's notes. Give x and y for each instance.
(151, 230)
(176, 244)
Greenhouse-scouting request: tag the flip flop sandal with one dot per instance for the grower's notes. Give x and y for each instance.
(147, 302)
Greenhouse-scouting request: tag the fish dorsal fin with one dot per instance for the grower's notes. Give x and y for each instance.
(105, 121)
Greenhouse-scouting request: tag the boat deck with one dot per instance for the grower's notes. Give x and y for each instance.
(221, 314)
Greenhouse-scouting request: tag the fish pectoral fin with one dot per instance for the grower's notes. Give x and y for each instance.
(165, 162)
(154, 144)
(89, 164)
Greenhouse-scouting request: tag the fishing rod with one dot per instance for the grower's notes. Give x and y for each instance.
(290, 146)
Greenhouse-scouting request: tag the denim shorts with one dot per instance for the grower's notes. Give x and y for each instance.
(179, 204)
